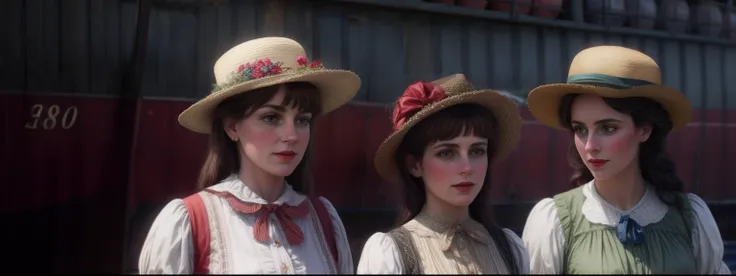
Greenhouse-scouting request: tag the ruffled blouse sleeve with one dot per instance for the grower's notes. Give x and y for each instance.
(380, 256)
(544, 239)
(345, 257)
(520, 252)
(168, 247)
(707, 242)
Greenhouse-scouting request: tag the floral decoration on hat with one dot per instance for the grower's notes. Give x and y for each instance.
(415, 97)
(264, 68)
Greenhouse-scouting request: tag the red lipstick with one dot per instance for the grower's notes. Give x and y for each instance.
(286, 155)
(597, 163)
(464, 187)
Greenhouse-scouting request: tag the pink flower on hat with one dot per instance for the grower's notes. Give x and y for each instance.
(301, 60)
(315, 64)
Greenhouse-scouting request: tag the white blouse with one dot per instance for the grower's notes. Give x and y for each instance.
(437, 253)
(544, 238)
(168, 248)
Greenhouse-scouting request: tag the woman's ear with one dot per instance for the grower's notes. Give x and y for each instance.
(644, 132)
(230, 126)
(413, 166)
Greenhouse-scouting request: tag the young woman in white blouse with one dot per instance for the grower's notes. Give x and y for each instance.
(253, 217)
(446, 135)
(629, 214)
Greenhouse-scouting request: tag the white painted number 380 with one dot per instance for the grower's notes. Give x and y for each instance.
(50, 119)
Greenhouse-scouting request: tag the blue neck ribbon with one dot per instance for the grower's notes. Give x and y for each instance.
(629, 231)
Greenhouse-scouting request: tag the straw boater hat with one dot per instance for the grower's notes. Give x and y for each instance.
(265, 62)
(430, 98)
(611, 72)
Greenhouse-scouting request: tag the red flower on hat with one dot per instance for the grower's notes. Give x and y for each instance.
(257, 74)
(415, 97)
(301, 60)
(315, 64)
(264, 62)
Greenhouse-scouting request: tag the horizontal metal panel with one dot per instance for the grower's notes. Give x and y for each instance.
(68, 46)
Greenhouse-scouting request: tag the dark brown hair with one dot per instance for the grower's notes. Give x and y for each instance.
(459, 120)
(223, 158)
(656, 166)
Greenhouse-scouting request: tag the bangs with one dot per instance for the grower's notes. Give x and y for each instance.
(303, 96)
(455, 121)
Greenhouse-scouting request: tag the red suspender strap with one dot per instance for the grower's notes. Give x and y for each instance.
(200, 233)
(327, 228)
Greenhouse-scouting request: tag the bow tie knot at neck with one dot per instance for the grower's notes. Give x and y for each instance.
(285, 214)
(270, 208)
(458, 236)
(461, 235)
(628, 231)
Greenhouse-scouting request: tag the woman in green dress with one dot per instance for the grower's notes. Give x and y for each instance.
(628, 214)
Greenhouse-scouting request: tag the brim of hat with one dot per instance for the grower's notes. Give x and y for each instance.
(504, 109)
(544, 101)
(337, 87)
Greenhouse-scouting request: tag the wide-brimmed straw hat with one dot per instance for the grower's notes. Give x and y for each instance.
(432, 97)
(610, 72)
(264, 62)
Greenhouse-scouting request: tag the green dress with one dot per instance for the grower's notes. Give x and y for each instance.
(596, 249)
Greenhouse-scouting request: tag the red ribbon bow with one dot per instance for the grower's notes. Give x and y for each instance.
(415, 97)
(284, 213)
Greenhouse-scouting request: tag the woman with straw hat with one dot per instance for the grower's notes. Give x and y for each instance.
(253, 217)
(446, 133)
(629, 214)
